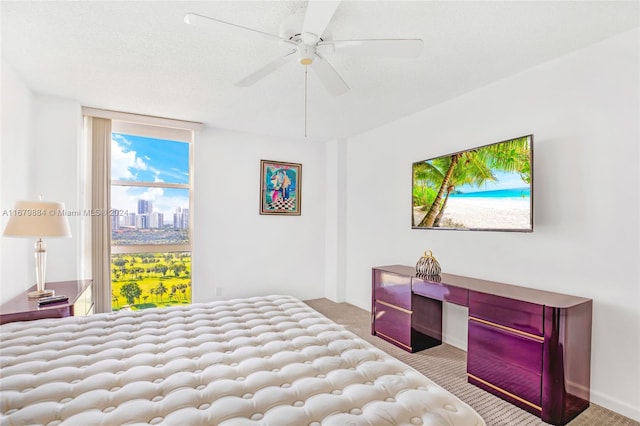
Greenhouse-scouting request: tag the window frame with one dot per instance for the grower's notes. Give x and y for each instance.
(165, 133)
(96, 232)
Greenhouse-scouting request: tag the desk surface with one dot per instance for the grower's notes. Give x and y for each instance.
(525, 294)
(22, 304)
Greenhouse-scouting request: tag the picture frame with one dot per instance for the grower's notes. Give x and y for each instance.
(280, 188)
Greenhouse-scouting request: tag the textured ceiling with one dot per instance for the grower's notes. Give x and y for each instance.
(140, 57)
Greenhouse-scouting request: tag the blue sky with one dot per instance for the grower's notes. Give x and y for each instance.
(149, 160)
(136, 158)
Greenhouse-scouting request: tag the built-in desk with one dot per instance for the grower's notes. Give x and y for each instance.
(527, 346)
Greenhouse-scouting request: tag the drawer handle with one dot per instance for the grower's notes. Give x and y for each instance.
(509, 329)
(499, 389)
(406, 311)
(394, 340)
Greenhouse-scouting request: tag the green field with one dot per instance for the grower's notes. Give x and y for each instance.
(149, 280)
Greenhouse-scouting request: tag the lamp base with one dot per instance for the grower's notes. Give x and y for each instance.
(37, 294)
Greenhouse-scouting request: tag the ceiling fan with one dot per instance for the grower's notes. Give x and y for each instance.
(310, 48)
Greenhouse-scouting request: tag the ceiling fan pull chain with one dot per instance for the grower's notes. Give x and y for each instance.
(306, 67)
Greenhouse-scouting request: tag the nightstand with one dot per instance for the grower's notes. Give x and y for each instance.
(80, 302)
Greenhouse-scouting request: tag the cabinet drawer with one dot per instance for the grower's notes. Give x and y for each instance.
(523, 316)
(509, 361)
(393, 323)
(392, 288)
(440, 291)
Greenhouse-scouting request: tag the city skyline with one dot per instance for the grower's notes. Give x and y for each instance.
(146, 218)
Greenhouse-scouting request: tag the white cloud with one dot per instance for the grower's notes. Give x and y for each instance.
(121, 199)
(124, 162)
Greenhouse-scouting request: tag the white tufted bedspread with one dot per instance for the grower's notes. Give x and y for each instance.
(256, 361)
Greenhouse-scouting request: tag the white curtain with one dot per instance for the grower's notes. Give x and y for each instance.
(99, 131)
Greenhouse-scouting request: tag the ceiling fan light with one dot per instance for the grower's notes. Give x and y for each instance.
(305, 54)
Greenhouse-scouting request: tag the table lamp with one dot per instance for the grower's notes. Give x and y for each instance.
(38, 219)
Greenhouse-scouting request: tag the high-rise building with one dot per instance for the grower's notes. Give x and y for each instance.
(142, 221)
(181, 218)
(129, 220)
(115, 222)
(156, 220)
(145, 206)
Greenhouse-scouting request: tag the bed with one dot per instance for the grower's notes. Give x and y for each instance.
(268, 360)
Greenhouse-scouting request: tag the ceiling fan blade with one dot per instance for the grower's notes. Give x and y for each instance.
(329, 76)
(198, 20)
(316, 19)
(400, 48)
(266, 70)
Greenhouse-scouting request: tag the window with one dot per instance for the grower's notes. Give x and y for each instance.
(150, 222)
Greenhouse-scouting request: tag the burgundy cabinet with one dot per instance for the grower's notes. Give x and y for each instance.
(517, 314)
(532, 349)
(393, 323)
(506, 361)
(440, 291)
(394, 317)
(567, 361)
(392, 287)
(527, 346)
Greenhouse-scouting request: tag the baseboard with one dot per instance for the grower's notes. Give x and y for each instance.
(455, 342)
(613, 404)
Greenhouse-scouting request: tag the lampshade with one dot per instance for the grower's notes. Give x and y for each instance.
(37, 219)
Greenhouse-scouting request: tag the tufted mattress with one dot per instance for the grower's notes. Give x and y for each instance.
(256, 361)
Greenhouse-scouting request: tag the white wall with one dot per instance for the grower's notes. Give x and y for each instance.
(238, 252)
(335, 220)
(17, 271)
(583, 110)
(40, 144)
(57, 176)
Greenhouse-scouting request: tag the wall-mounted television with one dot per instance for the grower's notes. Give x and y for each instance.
(487, 188)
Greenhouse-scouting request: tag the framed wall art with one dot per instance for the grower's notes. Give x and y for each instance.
(280, 187)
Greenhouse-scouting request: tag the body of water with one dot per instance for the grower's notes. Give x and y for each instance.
(498, 193)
